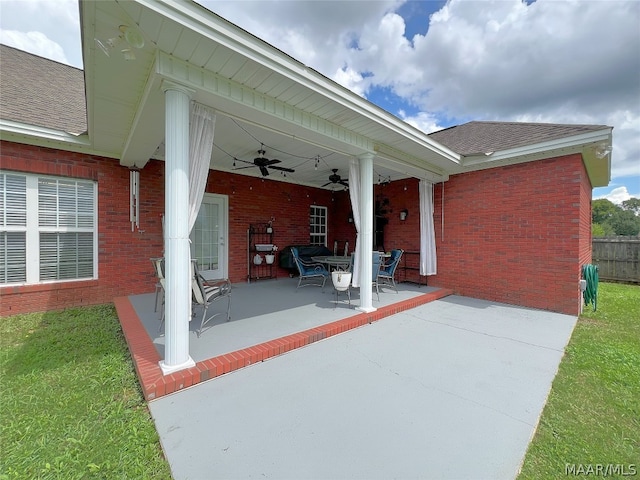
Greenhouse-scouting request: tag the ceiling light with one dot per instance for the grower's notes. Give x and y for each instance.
(132, 36)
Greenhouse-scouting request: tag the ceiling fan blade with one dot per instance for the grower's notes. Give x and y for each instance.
(271, 162)
(243, 161)
(264, 171)
(242, 168)
(282, 169)
(328, 183)
(343, 182)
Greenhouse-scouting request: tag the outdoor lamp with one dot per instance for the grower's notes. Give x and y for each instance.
(403, 214)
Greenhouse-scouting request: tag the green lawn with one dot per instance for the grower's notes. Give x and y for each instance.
(71, 404)
(591, 422)
(72, 407)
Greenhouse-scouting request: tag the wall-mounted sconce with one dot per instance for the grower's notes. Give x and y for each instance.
(134, 198)
(403, 214)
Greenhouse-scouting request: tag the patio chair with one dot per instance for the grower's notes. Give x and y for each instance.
(309, 271)
(388, 271)
(158, 266)
(207, 292)
(375, 270)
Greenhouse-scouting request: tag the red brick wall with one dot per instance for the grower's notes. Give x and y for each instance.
(516, 234)
(257, 201)
(123, 256)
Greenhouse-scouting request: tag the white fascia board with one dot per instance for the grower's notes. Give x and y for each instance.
(229, 35)
(413, 171)
(409, 165)
(11, 131)
(537, 150)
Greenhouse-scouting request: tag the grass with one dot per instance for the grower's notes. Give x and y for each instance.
(592, 416)
(72, 407)
(71, 404)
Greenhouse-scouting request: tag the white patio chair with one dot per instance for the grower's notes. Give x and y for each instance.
(205, 293)
(158, 266)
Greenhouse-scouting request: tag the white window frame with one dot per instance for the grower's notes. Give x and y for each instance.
(318, 225)
(56, 225)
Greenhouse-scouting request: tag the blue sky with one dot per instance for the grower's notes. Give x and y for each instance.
(434, 63)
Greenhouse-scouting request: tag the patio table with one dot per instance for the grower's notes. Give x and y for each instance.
(338, 262)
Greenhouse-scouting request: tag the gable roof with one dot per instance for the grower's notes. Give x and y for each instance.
(38, 91)
(484, 137)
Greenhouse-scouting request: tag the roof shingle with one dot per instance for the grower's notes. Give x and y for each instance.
(478, 137)
(41, 92)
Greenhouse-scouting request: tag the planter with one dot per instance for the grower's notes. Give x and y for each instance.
(269, 258)
(257, 259)
(341, 280)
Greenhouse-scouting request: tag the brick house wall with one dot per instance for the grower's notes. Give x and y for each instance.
(123, 256)
(517, 234)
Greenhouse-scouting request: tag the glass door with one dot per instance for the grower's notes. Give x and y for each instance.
(209, 237)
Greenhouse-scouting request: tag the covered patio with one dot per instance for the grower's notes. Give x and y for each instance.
(268, 318)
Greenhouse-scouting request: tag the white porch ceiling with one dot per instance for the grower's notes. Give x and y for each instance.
(261, 96)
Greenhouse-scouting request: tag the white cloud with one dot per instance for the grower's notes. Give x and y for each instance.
(617, 195)
(46, 28)
(559, 61)
(423, 121)
(34, 42)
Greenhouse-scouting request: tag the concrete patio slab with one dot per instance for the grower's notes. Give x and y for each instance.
(268, 319)
(266, 310)
(451, 389)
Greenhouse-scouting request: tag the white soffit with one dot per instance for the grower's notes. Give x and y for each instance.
(259, 83)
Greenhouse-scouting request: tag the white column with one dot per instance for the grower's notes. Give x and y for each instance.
(366, 232)
(177, 257)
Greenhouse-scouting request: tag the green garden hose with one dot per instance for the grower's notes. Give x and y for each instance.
(590, 274)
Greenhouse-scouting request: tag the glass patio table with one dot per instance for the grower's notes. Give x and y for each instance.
(337, 262)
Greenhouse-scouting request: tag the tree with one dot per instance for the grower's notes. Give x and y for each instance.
(602, 210)
(633, 204)
(626, 223)
(608, 218)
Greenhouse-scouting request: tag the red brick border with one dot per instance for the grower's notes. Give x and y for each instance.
(154, 384)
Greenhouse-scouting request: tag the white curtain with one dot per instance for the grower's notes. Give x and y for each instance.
(428, 259)
(354, 194)
(202, 124)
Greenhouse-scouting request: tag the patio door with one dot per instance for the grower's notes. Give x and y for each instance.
(209, 237)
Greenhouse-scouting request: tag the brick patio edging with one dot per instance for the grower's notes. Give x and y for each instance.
(155, 385)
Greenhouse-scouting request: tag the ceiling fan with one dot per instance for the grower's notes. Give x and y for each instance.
(334, 178)
(263, 163)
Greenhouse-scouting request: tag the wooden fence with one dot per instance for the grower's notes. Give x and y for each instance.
(617, 258)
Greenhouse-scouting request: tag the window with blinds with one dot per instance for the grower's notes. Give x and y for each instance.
(317, 225)
(48, 229)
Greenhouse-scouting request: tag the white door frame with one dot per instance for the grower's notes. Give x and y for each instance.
(223, 240)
